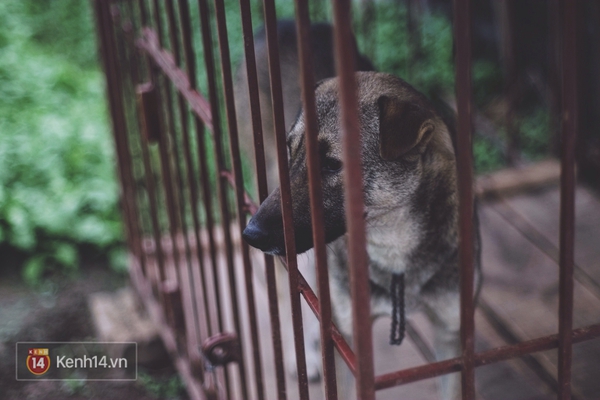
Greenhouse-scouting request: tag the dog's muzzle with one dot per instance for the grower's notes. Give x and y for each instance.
(256, 235)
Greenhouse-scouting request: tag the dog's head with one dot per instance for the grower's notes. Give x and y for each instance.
(402, 137)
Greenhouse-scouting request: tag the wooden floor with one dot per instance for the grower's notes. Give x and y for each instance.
(519, 301)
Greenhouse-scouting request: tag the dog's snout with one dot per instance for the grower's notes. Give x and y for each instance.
(255, 235)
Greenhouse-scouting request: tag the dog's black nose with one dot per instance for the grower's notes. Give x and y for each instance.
(255, 235)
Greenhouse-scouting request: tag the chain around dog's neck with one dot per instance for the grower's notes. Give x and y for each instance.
(398, 321)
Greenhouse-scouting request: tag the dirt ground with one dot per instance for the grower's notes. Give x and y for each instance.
(58, 311)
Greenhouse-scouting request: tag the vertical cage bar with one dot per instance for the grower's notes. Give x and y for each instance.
(261, 177)
(158, 21)
(184, 16)
(311, 127)
(146, 103)
(167, 178)
(187, 170)
(221, 183)
(234, 150)
(143, 12)
(151, 188)
(122, 141)
(354, 201)
(286, 194)
(462, 40)
(509, 62)
(209, 63)
(165, 116)
(107, 48)
(567, 197)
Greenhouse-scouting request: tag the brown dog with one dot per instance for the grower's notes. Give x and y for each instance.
(321, 45)
(411, 206)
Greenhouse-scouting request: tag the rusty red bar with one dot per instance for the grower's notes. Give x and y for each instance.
(195, 388)
(484, 358)
(130, 208)
(147, 117)
(187, 170)
(286, 195)
(207, 198)
(104, 27)
(338, 340)
(143, 12)
(157, 21)
(164, 60)
(567, 196)
(261, 177)
(354, 201)
(311, 131)
(184, 17)
(209, 63)
(234, 150)
(462, 41)
(121, 138)
(151, 190)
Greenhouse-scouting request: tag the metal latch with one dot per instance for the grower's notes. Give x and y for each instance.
(221, 349)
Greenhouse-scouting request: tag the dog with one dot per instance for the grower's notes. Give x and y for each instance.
(321, 45)
(411, 206)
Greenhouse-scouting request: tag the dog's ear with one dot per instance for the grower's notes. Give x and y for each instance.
(402, 126)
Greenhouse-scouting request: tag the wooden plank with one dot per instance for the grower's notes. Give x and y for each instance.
(510, 181)
(521, 286)
(541, 210)
(514, 379)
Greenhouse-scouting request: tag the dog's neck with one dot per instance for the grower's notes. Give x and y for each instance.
(411, 236)
(391, 239)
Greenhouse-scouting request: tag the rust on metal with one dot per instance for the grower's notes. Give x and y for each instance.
(286, 195)
(117, 110)
(567, 196)
(354, 201)
(209, 64)
(183, 146)
(148, 109)
(222, 349)
(234, 150)
(164, 60)
(262, 190)
(311, 131)
(193, 189)
(462, 41)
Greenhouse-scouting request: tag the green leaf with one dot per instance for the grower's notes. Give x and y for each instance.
(34, 269)
(118, 259)
(66, 255)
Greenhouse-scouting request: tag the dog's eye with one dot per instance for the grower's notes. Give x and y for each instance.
(331, 165)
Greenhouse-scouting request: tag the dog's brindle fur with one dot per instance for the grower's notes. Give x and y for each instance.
(411, 205)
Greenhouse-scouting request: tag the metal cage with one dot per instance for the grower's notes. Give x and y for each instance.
(182, 238)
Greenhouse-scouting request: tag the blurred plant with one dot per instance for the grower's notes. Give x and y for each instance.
(171, 387)
(57, 181)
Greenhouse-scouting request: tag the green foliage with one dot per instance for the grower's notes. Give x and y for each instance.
(486, 156)
(535, 129)
(58, 191)
(57, 181)
(165, 388)
(424, 58)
